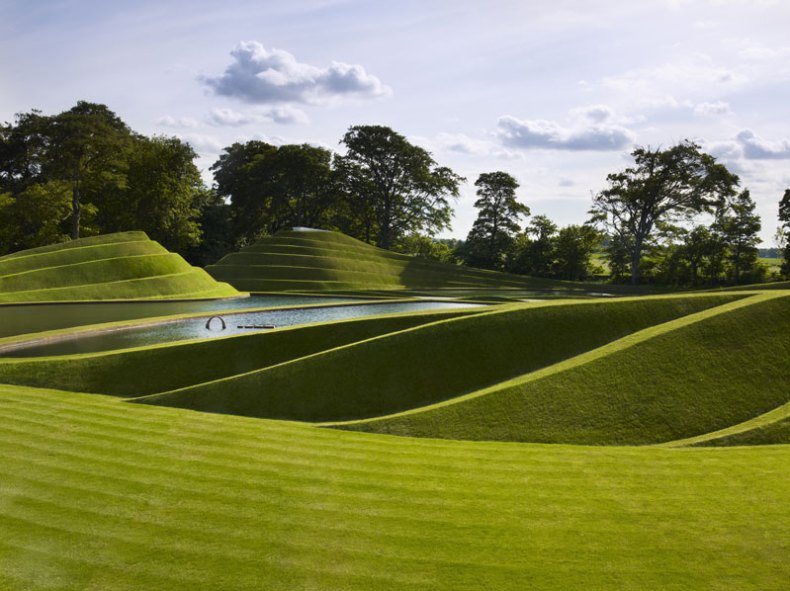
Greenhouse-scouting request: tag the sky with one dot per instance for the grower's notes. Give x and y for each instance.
(555, 93)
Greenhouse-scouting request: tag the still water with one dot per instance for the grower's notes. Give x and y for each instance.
(195, 328)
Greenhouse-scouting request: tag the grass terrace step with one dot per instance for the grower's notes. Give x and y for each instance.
(122, 266)
(331, 256)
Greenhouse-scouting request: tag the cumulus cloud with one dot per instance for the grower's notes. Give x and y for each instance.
(261, 76)
(756, 148)
(170, 121)
(282, 115)
(715, 109)
(591, 128)
(202, 143)
(463, 144)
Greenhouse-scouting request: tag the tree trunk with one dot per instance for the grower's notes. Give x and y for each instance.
(636, 258)
(76, 210)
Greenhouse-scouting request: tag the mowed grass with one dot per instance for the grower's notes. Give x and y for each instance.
(125, 265)
(146, 370)
(99, 494)
(692, 376)
(331, 261)
(430, 362)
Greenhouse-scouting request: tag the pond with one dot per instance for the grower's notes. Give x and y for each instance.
(195, 328)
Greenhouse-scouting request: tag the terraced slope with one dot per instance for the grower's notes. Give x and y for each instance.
(98, 494)
(430, 362)
(122, 266)
(698, 374)
(136, 372)
(320, 261)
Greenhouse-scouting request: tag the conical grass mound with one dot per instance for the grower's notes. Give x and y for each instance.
(121, 266)
(331, 261)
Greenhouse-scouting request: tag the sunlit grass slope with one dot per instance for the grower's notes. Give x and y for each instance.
(126, 265)
(695, 375)
(316, 261)
(99, 494)
(135, 372)
(430, 362)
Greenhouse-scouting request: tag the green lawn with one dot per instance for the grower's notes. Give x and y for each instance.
(100, 494)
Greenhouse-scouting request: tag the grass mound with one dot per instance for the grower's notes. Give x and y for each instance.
(692, 376)
(320, 261)
(126, 265)
(431, 362)
(97, 494)
(136, 372)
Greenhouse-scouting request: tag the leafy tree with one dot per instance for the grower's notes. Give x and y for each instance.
(303, 188)
(738, 225)
(243, 175)
(574, 247)
(33, 217)
(87, 147)
(426, 247)
(784, 217)
(271, 188)
(493, 232)
(392, 186)
(163, 195)
(662, 186)
(533, 250)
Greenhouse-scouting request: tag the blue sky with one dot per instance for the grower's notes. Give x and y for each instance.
(556, 93)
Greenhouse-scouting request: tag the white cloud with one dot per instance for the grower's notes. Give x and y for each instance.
(693, 76)
(203, 143)
(285, 114)
(714, 109)
(170, 121)
(756, 148)
(262, 76)
(461, 143)
(591, 128)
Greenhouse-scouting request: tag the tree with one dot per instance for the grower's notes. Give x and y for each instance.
(87, 147)
(271, 188)
(394, 186)
(163, 195)
(494, 230)
(662, 186)
(573, 250)
(242, 174)
(33, 217)
(738, 226)
(784, 217)
(533, 250)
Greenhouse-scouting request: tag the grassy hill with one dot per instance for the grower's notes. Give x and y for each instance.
(698, 374)
(121, 266)
(98, 494)
(428, 363)
(331, 261)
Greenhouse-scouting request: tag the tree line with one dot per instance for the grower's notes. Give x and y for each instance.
(84, 171)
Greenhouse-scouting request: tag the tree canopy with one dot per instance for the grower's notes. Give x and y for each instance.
(663, 186)
(497, 223)
(392, 186)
